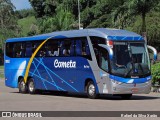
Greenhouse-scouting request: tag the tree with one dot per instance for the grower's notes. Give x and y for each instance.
(85, 5)
(63, 20)
(6, 11)
(8, 24)
(44, 7)
(152, 28)
(142, 7)
(121, 16)
(24, 13)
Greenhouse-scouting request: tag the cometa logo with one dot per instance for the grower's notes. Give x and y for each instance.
(68, 64)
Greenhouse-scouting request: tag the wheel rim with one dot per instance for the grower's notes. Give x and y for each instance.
(91, 89)
(22, 85)
(31, 86)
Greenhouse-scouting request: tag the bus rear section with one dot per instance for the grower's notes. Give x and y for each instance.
(64, 67)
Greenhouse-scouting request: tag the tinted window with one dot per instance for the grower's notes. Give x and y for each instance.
(9, 49)
(60, 47)
(102, 57)
(97, 40)
(52, 48)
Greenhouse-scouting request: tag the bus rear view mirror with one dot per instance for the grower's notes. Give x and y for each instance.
(154, 52)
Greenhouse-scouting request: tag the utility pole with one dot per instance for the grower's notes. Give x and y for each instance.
(79, 15)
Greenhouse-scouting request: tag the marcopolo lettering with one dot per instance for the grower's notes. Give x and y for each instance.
(62, 64)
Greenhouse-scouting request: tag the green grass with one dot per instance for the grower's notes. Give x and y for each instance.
(1, 71)
(26, 24)
(1, 67)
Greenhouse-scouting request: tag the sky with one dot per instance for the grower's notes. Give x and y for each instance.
(21, 4)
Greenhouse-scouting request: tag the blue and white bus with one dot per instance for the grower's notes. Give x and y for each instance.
(93, 61)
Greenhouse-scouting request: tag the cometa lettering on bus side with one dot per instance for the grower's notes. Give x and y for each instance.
(68, 64)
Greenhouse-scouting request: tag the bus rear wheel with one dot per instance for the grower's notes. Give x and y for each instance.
(31, 86)
(22, 86)
(91, 90)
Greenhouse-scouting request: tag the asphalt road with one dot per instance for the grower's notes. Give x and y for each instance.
(11, 100)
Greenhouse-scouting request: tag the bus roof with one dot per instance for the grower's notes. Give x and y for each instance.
(108, 33)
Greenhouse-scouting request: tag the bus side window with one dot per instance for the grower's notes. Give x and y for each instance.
(17, 51)
(28, 52)
(52, 48)
(65, 47)
(103, 60)
(78, 47)
(85, 50)
(82, 48)
(9, 49)
(97, 40)
(22, 52)
(72, 48)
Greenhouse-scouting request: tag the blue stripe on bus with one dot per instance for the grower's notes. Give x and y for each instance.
(34, 38)
(125, 38)
(130, 80)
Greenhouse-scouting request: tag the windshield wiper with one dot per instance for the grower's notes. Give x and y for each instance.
(126, 74)
(133, 67)
(139, 65)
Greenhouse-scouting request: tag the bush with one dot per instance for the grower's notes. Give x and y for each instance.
(155, 69)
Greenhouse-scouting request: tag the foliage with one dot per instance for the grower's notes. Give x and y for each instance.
(152, 28)
(142, 7)
(24, 13)
(8, 25)
(121, 16)
(44, 7)
(54, 15)
(63, 20)
(27, 26)
(6, 12)
(155, 72)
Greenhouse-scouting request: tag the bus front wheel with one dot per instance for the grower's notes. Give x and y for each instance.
(91, 90)
(31, 86)
(22, 86)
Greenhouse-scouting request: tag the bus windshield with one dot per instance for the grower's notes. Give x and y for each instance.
(130, 60)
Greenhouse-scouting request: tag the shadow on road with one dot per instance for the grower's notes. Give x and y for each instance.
(101, 97)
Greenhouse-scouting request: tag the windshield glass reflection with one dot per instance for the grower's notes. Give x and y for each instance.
(130, 59)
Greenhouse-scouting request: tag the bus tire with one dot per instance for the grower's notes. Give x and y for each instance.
(126, 96)
(22, 86)
(91, 90)
(31, 86)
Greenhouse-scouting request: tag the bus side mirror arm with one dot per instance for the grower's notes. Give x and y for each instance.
(154, 51)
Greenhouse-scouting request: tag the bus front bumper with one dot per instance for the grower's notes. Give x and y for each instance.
(131, 88)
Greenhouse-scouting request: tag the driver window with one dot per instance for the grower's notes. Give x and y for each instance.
(103, 59)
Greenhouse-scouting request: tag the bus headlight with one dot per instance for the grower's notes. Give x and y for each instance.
(116, 82)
